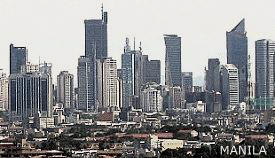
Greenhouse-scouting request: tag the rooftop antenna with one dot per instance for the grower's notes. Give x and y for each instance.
(140, 46)
(102, 14)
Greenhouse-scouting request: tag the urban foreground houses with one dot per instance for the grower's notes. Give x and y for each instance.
(121, 108)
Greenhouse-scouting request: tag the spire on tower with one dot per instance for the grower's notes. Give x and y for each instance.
(102, 12)
(134, 43)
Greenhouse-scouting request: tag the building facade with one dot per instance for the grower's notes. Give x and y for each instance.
(4, 91)
(30, 96)
(172, 60)
(237, 54)
(65, 89)
(86, 79)
(29, 67)
(187, 81)
(18, 58)
(264, 69)
(230, 86)
(96, 36)
(132, 74)
(151, 70)
(107, 89)
(151, 99)
(213, 75)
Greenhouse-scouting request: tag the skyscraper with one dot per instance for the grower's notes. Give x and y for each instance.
(236, 44)
(151, 70)
(86, 84)
(107, 84)
(151, 99)
(172, 60)
(96, 36)
(264, 68)
(230, 86)
(18, 58)
(213, 75)
(187, 81)
(132, 74)
(30, 96)
(4, 88)
(65, 89)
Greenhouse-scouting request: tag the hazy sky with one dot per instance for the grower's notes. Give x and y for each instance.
(54, 29)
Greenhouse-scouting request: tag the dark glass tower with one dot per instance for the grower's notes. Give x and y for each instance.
(236, 43)
(264, 68)
(18, 58)
(172, 60)
(132, 74)
(96, 36)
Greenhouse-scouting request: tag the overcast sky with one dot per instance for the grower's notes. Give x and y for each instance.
(54, 29)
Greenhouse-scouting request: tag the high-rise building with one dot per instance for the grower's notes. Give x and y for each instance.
(46, 68)
(176, 97)
(86, 84)
(230, 86)
(213, 101)
(187, 81)
(29, 67)
(172, 60)
(132, 74)
(213, 75)
(96, 36)
(236, 44)
(151, 70)
(265, 69)
(107, 96)
(18, 58)
(30, 96)
(4, 91)
(65, 89)
(151, 99)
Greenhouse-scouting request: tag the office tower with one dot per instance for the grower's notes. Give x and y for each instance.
(132, 74)
(213, 75)
(165, 97)
(187, 81)
(86, 84)
(264, 70)
(151, 99)
(236, 44)
(96, 36)
(29, 67)
(30, 96)
(230, 86)
(213, 102)
(107, 84)
(176, 98)
(18, 58)
(46, 68)
(4, 91)
(172, 60)
(151, 70)
(65, 89)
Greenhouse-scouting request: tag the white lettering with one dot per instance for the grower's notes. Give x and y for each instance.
(249, 150)
(233, 150)
(225, 150)
(254, 151)
(262, 150)
(242, 150)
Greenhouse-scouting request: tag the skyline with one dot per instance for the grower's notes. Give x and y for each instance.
(66, 36)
